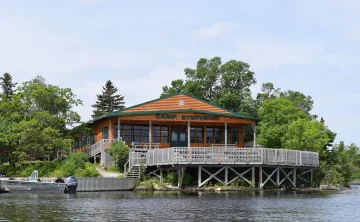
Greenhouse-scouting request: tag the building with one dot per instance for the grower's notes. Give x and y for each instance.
(182, 133)
(176, 121)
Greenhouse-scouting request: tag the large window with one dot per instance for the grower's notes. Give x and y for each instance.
(209, 135)
(105, 133)
(235, 135)
(116, 131)
(218, 131)
(128, 136)
(160, 134)
(196, 134)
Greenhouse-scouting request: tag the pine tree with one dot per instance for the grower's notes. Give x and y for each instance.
(7, 85)
(108, 101)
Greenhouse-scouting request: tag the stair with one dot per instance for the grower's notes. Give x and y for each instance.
(134, 172)
(136, 160)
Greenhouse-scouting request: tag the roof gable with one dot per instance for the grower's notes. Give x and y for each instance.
(176, 102)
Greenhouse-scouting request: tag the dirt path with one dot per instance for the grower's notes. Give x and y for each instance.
(107, 174)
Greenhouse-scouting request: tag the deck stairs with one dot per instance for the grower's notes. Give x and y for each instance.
(100, 149)
(135, 163)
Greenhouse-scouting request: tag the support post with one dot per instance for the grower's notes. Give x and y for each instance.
(260, 177)
(161, 175)
(311, 176)
(226, 135)
(253, 175)
(150, 134)
(254, 127)
(226, 175)
(118, 130)
(199, 176)
(278, 178)
(188, 132)
(95, 159)
(294, 177)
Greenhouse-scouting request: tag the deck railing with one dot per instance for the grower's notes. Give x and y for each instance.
(238, 156)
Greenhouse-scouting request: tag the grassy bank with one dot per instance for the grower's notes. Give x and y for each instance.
(75, 165)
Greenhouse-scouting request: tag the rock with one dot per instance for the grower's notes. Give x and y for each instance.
(218, 189)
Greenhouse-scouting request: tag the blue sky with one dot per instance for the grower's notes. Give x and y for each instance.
(309, 46)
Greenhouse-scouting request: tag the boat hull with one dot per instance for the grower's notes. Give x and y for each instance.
(28, 186)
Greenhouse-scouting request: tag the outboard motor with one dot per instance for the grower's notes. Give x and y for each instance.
(71, 185)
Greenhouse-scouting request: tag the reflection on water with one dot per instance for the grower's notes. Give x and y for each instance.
(178, 206)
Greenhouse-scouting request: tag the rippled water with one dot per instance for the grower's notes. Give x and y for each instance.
(164, 206)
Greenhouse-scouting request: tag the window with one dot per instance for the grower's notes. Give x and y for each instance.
(105, 133)
(128, 136)
(235, 135)
(116, 131)
(181, 102)
(218, 134)
(209, 134)
(160, 134)
(196, 134)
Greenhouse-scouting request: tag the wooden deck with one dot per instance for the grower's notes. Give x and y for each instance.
(231, 156)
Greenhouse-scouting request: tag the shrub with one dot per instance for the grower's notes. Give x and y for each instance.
(119, 151)
(172, 178)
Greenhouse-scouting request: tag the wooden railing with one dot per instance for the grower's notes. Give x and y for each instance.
(238, 156)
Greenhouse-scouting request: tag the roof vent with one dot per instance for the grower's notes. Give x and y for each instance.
(181, 102)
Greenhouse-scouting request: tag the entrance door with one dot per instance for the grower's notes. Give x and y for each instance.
(179, 139)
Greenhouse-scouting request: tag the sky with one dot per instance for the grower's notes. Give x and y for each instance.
(309, 46)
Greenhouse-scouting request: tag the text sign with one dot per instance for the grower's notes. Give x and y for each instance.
(186, 117)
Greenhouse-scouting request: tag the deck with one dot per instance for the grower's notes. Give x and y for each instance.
(231, 156)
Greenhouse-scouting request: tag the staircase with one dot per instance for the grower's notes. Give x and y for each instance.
(136, 163)
(100, 148)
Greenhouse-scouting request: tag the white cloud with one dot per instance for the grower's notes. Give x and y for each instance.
(215, 30)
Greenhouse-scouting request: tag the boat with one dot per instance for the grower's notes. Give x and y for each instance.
(34, 184)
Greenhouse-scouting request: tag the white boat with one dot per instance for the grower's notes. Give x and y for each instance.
(33, 184)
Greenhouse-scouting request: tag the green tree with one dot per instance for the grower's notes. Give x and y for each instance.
(108, 101)
(34, 122)
(277, 116)
(7, 85)
(177, 86)
(119, 151)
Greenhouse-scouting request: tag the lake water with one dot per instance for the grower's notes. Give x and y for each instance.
(165, 206)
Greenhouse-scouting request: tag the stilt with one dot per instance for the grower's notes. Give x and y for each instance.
(181, 173)
(226, 175)
(311, 177)
(161, 175)
(294, 177)
(260, 177)
(95, 159)
(199, 177)
(278, 178)
(253, 176)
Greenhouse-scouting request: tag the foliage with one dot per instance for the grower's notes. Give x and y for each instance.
(34, 121)
(7, 85)
(119, 151)
(227, 85)
(172, 178)
(108, 101)
(75, 165)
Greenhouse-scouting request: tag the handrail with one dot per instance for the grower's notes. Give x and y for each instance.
(239, 156)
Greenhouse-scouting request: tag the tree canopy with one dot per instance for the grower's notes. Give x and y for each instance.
(108, 101)
(34, 121)
(7, 85)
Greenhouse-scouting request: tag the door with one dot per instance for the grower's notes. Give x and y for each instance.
(178, 139)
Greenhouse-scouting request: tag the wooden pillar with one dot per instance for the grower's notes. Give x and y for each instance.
(253, 175)
(226, 132)
(150, 134)
(311, 176)
(110, 135)
(260, 177)
(278, 177)
(294, 176)
(199, 176)
(226, 175)
(254, 127)
(161, 175)
(188, 132)
(118, 131)
(241, 136)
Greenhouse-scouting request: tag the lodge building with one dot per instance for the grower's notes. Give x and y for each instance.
(183, 133)
(177, 121)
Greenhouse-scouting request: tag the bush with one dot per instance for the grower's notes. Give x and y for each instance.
(119, 151)
(172, 178)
